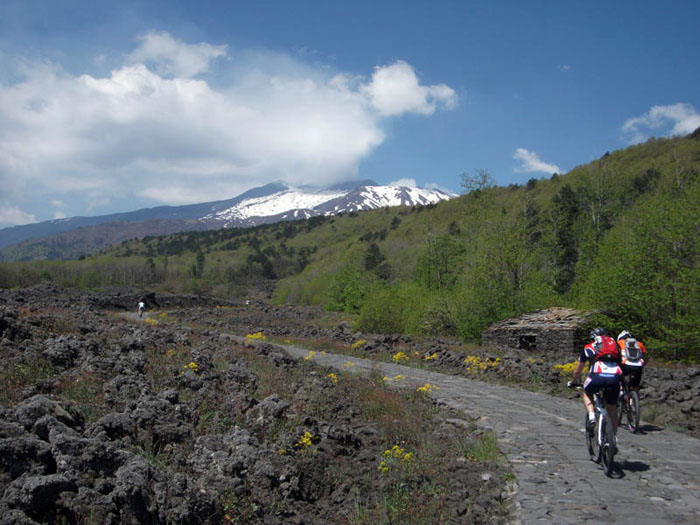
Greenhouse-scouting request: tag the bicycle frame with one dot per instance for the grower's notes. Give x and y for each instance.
(605, 435)
(600, 433)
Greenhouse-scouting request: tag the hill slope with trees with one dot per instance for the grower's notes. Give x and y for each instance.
(618, 236)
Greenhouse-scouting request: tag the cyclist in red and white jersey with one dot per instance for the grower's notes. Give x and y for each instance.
(605, 373)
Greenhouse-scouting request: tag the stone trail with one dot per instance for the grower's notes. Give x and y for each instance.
(657, 479)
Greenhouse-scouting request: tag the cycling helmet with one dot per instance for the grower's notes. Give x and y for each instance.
(597, 332)
(624, 335)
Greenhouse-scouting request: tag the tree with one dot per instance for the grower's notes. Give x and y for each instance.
(564, 212)
(197, 269)
(439, 264)
(647, 273)
(373, 257)
(477, 183)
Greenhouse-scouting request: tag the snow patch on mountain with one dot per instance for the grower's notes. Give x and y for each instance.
(292, 203)
(379, 196)
(275, 204)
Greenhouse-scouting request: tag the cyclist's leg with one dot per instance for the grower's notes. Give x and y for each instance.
(611, 393)
(635, 378)
(589, 388)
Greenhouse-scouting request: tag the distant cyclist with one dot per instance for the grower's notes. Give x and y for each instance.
(141, 308)
(605, 373)
(633, 354)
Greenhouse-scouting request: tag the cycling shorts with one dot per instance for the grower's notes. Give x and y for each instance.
(610, 384)
(634, 374)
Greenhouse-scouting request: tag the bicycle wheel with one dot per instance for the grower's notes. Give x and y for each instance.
(589, 430)
(621, 408)
(598, 430)
(633, 412)
(608, 447)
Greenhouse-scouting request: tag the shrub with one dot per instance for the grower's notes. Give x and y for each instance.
(392, 309)
(348, 291)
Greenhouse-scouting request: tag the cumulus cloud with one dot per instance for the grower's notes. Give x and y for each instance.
(174, 57)
(676, 119)
(158, 129)
(13, 215)
(406, 182)
(395, 89)
(530, 162)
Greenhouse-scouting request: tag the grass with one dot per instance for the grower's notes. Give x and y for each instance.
(400, 414)
(86, 391)
(163, 364)
(237, 509)
(18, 375)
(480, 449)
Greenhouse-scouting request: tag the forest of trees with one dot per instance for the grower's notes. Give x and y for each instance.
(617, 237)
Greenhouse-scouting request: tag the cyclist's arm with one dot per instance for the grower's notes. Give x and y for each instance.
(578, 370)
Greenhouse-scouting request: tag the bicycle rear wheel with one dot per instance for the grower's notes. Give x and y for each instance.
(608, 447)
(621, 408)
(633, 412)
(591, 441)
(598, 431)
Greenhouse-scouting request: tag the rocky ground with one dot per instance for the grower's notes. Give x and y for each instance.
(105, 418)
(670, 394)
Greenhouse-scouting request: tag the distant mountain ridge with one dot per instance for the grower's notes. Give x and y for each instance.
(274, 202)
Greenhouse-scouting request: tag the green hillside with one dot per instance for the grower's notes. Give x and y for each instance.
(618, 236)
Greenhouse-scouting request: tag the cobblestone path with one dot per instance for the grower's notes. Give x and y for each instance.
(658, 474)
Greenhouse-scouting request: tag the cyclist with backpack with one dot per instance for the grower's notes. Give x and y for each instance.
(604, 374)
(633, 354)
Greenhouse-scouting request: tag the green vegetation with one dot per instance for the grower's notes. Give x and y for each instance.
(618, 236)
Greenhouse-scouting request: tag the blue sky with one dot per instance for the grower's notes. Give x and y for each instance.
(119, 105)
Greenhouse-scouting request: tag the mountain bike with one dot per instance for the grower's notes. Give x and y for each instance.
(600, 434)
(628, 405)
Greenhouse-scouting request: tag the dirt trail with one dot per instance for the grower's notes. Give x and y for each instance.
(658, 474)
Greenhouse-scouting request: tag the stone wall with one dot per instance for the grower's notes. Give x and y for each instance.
(556, 330)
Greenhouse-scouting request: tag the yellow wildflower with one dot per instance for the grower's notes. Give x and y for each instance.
(190, 366)
(566, 369)
(399, 357)
(304, 440)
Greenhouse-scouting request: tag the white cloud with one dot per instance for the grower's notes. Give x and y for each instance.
(174, 57)
(13, 215)
(434, 186)
(408, 183)
(530, 162)
(395, 89)
(151, 129)
(676, 119)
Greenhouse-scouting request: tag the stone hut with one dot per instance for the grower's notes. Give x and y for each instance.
(557, 330)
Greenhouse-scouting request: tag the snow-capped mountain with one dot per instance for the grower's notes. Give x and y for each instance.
(291, 203)
(274, 202)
